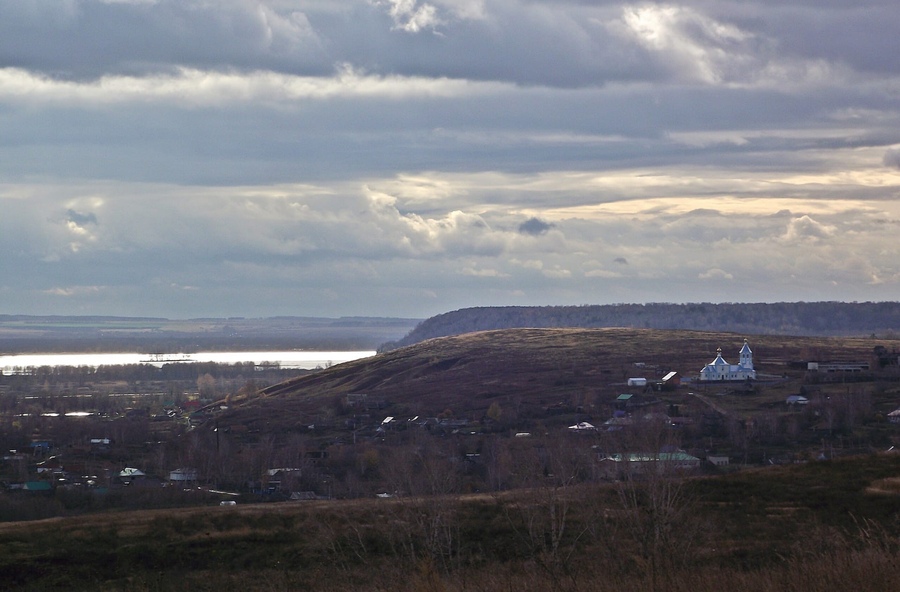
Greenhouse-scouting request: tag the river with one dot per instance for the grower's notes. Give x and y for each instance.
(306, 360)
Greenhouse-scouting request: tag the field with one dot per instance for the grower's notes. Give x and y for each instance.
(816, 526)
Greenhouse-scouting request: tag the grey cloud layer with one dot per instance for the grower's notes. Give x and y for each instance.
(408, 157)
(552, 43)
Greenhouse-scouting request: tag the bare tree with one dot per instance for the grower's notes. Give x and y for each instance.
(657, 510)
(548, 472)
(426, 527)
(497, 460)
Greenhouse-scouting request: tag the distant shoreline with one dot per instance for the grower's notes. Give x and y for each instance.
(23, 334)
(304, 359)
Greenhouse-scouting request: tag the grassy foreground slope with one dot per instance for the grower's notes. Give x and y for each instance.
(818, 526)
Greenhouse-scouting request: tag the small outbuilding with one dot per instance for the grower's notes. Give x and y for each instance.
(670, 380)
(183, 475)
(623, 401)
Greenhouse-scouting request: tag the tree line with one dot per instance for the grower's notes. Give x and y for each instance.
(779, 318)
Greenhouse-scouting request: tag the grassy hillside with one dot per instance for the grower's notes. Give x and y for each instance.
(461, 401)
(818, 526)
(466, 374)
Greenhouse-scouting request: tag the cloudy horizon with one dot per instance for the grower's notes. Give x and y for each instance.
(410, 157)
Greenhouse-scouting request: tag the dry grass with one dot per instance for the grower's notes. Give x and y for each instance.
(467, 373)
(861, 571)
(888, 486)
(770, 530)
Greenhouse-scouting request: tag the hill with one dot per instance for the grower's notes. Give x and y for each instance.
(526, 370)
(783, 318)
(464, 400)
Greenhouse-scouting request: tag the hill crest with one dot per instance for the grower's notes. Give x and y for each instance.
(783, 318)
(531, 368)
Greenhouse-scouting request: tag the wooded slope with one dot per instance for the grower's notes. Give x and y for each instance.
(782, 318)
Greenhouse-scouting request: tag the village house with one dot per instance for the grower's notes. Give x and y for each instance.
(130, 475)
(583, 427)
(669, 382)
(624, 401)
(136, 478)
(183, 475)
(282, 479)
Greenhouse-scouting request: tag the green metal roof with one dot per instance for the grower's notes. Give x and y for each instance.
(38, 486)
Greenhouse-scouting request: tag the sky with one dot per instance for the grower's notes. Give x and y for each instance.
(194, 158)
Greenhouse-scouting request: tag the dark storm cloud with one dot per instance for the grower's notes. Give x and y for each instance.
(534, 227)
(80, 219)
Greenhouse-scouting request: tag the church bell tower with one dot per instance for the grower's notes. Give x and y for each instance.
(746, 356)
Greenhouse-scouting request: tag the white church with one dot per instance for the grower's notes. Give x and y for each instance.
(719, 369)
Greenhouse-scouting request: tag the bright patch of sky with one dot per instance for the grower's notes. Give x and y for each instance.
(406, 157)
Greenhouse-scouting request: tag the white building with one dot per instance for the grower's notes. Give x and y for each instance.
(719, 369)
(646, 462)
(183, 475)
